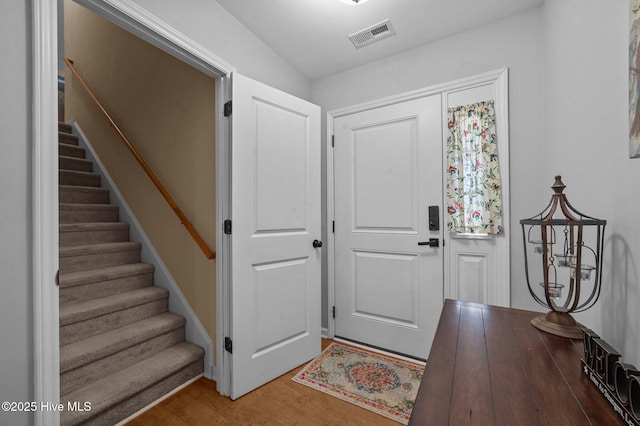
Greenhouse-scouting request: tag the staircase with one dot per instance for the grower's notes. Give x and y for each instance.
(120, 348)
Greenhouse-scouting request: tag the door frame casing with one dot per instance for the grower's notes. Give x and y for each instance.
(500, 78)
(138, 21)
(46, 367)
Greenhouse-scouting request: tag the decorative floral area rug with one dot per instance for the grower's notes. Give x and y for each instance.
(384, 385)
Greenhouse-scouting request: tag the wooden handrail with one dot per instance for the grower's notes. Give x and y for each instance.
(183, 219)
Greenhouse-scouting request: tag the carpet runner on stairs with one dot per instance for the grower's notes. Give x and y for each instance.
(120, 348)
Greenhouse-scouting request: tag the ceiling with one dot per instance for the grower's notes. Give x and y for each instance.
(312, 35)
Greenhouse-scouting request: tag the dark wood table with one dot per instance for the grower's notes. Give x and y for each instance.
(489, 366)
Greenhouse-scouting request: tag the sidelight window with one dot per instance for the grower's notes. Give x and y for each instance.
(474, 198)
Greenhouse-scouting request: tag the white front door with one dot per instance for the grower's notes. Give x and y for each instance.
(275, 193)
(387, 172)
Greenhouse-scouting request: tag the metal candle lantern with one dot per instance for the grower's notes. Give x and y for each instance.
(569, 245)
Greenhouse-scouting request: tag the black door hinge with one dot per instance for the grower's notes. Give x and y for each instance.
(334, 312)
(228, 345)
(227, 108)
(227, 227)
(58, 277)
(333, 226)
(333, 141)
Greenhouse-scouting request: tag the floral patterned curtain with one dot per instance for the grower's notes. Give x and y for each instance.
(474, 199)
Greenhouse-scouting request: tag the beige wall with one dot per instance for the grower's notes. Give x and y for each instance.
(166, 109)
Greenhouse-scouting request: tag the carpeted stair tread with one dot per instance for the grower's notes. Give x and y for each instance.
(112, 390)
(68, 138)
(96, 347)
(104, 248)
(84, 206)
(74, 163)
(64, 127)
(71, 234)
(111, 320)
(80, 178)
(74, 194)
(80, 286)
(81, 212)
(83, 311)
(81, 227)
(69, 150)
(111, 363)
(93, 256)
(73, 279)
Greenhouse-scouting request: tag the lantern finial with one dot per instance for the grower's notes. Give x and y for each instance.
(558, 186)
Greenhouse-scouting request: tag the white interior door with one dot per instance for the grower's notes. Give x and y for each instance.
(387, 172)
(275, 192)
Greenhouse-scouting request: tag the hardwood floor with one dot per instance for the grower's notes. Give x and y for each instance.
(280, 402)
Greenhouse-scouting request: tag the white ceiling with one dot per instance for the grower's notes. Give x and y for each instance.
(312, 35)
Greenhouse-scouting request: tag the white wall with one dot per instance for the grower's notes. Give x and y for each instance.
(516, 43)
(568, 65)
(210, 25)
(586, 137)
(16, 303)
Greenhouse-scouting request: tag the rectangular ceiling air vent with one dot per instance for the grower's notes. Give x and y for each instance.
(373, 33)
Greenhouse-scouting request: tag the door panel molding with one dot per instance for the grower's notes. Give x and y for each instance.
(398, 214)
(472, 275)
(367, 265)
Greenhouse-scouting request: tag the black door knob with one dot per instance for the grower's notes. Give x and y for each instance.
(433, 242)
(317, 243)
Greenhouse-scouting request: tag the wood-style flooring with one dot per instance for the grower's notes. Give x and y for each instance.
(280, 402)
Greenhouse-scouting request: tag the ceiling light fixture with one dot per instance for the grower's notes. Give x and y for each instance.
(354, 2)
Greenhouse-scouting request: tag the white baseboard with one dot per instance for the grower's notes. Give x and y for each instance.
(159, 400)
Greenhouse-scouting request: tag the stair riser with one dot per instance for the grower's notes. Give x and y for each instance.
(78, 238)
(99, 289)
(91, 372)
(132, 405)
(78, 179)
(88, 216)
(70, 150)
(67, 138)
(83, 329)
(64, 127)
(75, 163)
(83, 196)
(99, 260)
